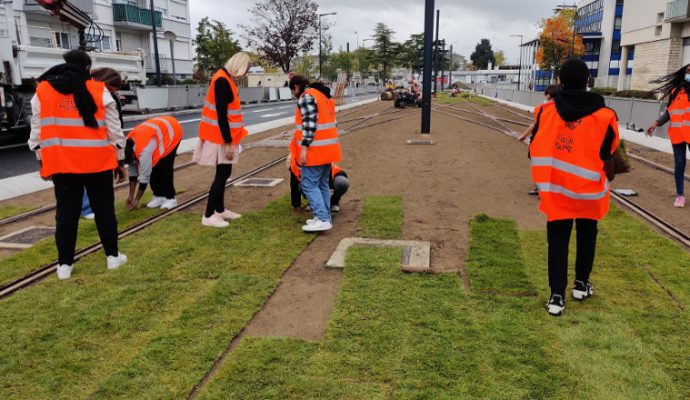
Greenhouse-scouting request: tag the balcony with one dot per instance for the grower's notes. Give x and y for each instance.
(131, 16)
(677, 11)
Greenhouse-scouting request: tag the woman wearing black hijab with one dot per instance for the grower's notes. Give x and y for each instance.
(76, 134)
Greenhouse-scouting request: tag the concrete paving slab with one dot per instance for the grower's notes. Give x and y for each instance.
(416, 258)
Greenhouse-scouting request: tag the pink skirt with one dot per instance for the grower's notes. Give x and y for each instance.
(211, 154)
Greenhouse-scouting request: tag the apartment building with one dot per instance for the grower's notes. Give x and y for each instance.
(599, 23)
(658, 32)
(126, 27)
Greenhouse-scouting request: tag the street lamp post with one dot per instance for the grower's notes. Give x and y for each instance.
(320, 15)
(520, 67)
(155, 46)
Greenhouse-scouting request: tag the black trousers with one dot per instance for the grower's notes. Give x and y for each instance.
(558, 234)
(216, 196)
(69, 191)
(162, 176)
(295, 191)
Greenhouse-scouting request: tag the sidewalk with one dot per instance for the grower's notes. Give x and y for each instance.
(32, 182)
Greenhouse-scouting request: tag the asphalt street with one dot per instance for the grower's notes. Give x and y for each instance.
(16, 159)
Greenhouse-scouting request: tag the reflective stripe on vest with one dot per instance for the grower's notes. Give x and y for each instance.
(325, 142)
(566, 167)
(553, 188)
(54, 121)
(171, 131)
(213, 107)
(159, 133)
(215, 123)
(74, 143)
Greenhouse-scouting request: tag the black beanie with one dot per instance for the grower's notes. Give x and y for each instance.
(574, 74)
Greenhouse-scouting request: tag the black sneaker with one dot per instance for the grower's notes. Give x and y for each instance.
(533, 192)
(582, 290)
(556, 305)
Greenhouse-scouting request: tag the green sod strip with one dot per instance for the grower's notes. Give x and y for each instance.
(495, 264)
(462, 97)
(408, 336)
(11, 211)
(45, 252)
(382, 218)
(631, 330)
(154, 327)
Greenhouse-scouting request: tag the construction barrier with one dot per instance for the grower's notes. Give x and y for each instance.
(635, 114)
(284, 94)
(272, 94)
(253, 95)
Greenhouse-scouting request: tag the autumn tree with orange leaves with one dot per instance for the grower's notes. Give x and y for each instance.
(556, 41)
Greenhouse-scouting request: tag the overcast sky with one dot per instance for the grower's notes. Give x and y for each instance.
(463, 22)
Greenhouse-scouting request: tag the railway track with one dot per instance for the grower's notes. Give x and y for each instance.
(44, 271)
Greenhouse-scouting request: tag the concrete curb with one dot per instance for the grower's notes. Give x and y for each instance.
(32, 182)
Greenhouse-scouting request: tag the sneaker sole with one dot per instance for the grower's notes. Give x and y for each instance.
(555, 313)
(580, 295)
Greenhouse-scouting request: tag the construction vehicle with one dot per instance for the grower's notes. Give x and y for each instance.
(21, 63)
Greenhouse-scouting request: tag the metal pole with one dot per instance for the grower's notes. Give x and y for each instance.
(438, 19)
(319, 46)
(155, 46)
(172, 59)
(443, 62)
(520, 68)
(426, 90)
(450, 68)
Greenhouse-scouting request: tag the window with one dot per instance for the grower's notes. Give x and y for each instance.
(592, 47)
(616, 47)
(617, 23)
(657, 31)
(105, 43)
(118, 44)
(659, 18)
(40, 41)
(62, 40)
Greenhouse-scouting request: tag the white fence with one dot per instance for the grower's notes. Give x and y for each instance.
(635, 114)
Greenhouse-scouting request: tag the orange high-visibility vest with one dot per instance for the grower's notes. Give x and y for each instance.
(67, 145)
(566, 165)
(297, 171)
(165, 131)
(679, 110)
(209, 129)
(325, 148)
(335, 170)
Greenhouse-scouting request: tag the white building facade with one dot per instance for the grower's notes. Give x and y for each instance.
(126, 27)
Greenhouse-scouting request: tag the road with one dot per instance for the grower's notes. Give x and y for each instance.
(16, 159)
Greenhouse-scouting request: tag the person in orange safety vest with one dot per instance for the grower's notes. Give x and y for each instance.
(220, 132)
(572, 165)
(319, 146)
(676, 87)
(76, 135)
(150, 153)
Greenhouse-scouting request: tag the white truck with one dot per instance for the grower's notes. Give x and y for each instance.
(21, 63)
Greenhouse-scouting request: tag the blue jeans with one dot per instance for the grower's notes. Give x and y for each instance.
(315, 188)
(85, 205)
(679, 171)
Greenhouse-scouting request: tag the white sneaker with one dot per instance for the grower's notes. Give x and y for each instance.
(155, 202)
(169, 203)
(64, 271)
(114, 262)
(89, 216)
(214, 221)
(311, 220)
(317, 226)
(227, 214)
(335, 208)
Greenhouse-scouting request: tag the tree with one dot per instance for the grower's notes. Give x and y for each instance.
(556, 41)
(483, 55)
(412, 53)
(307, 66)
(214, 46)
(258, 61)
(384, 50)
(500, 57)
(363, 61)
(282, 29)
(343, 61)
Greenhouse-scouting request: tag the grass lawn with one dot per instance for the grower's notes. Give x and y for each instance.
(381, 218)
(405, 336)
(11, 211)
(153, 328)
(45, 252)
(462, 97)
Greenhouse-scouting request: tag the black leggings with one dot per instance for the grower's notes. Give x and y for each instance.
(558, 234)
(216, 196)
(69, 192)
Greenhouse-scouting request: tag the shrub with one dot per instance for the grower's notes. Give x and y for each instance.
(638, 94)
(604, 91)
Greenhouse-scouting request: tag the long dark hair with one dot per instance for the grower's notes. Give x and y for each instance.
(671, 84)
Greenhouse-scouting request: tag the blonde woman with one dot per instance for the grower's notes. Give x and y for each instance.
(220, 132)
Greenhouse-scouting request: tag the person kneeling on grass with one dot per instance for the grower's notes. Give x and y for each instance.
(150, 153)
(572, 165)
(339, 183)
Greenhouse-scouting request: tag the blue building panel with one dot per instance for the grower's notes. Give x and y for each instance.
(619, 10)
(616, 35)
